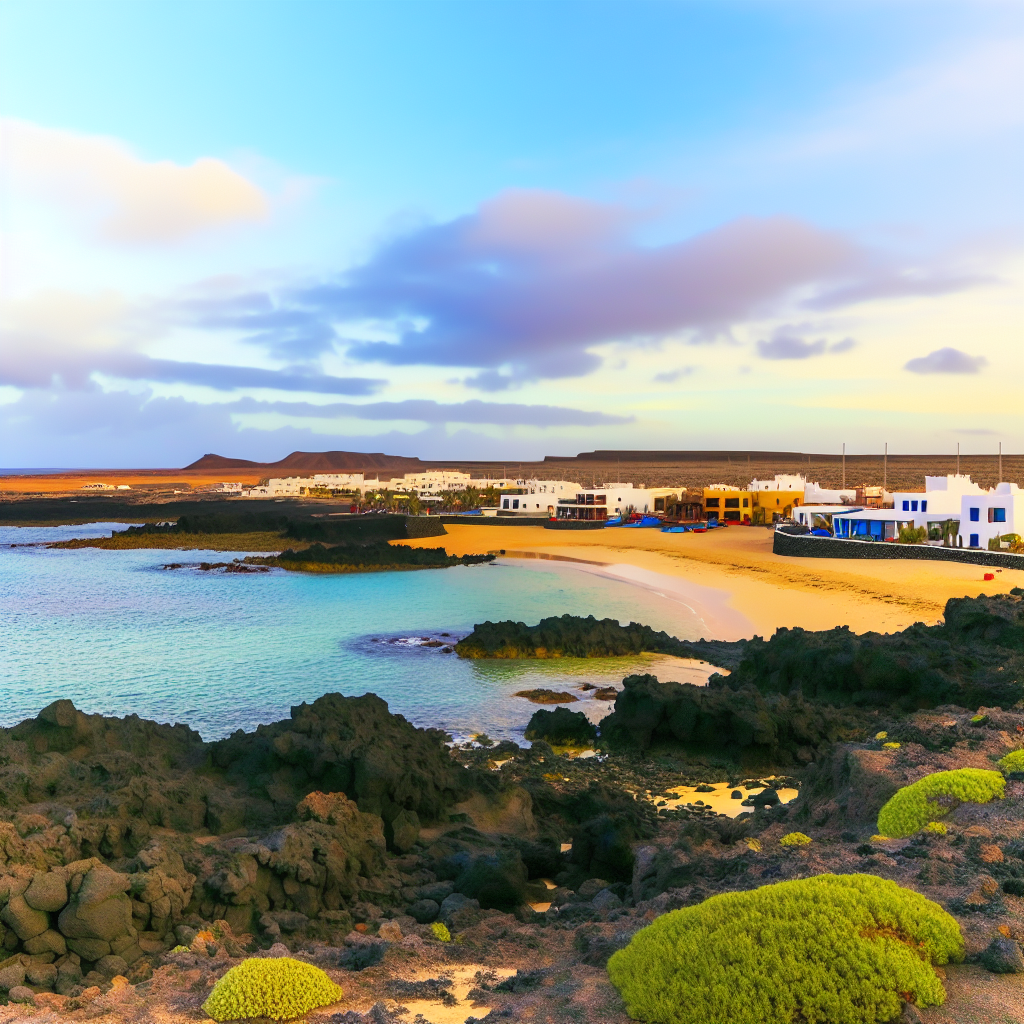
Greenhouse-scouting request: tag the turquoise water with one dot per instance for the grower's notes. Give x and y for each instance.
(117, 634)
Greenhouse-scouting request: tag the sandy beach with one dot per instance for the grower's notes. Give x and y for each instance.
(742, 587)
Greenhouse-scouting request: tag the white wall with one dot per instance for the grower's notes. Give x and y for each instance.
(1007, 497)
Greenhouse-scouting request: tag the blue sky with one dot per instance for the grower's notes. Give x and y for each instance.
(508, 229)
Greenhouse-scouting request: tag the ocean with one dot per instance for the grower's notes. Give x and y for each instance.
(118, 634)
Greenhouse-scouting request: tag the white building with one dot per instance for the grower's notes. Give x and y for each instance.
(537, 497)
(596, 503)
(941, 498)
(991, 514)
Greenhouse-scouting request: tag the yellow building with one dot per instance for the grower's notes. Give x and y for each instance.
(733, 505)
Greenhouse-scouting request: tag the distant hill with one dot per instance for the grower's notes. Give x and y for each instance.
(315, 462)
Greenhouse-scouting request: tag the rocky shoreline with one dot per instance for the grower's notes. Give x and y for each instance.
(138, 862)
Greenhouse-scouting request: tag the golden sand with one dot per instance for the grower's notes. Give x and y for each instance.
(766, 590)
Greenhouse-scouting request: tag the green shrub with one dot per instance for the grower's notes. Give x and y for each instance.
(912, 535)
(795, 839)
(881, 735)
(936, 828)
(891, 746)
(279, 988)
(934, 796)
(441, 932)
(1013, 762)
(833, 949)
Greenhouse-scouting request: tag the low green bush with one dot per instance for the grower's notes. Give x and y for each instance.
(833, 949)
(1013, 762)
(441, 932)
(279, 988)
(912, 535)
(795, 839)
(935, 828)
(934, 796)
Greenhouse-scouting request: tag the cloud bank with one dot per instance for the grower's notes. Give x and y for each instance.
(127, 199)
(946, 360)
(524, 287)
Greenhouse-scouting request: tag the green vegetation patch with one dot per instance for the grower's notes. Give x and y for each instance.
(934, 796)
(1013, 762)
(833, 949)
(279, 988)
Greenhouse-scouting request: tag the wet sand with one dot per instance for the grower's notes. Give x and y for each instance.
(742, 588)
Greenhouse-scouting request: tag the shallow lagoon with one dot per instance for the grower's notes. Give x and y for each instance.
(118, 634)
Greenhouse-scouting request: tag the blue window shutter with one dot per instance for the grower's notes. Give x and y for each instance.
(974, 540)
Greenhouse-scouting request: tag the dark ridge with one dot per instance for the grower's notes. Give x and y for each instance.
(314, 462)
(610, 455)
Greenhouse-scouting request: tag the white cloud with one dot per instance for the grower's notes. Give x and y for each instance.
(120, 196)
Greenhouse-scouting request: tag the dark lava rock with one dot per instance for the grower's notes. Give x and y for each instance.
(352, 745)
(1003, 956)
(561, 727)
(547, 696)
(498, 881)
(424, 911)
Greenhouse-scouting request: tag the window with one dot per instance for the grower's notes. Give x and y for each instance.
(746, 502)
(906, 506)
(913, 506)
(732, 502)
(504, 504)
(924, 506)
(712, 503)
(974, 517)
(515, 503)
(974, 539)
(997, 515)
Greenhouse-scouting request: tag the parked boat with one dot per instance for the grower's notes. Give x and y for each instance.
(642, 522)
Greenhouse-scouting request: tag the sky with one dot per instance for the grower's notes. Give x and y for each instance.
(503, 230)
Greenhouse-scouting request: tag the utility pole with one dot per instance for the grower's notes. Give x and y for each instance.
(885, 467)
(844, 465)
(1000, 480)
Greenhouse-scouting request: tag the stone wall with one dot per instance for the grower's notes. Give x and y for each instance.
(806, 546)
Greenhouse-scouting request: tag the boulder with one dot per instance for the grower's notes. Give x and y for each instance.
(289, 920)
(43, 975)
(389, 931)
(23, 920)
(436, 891)
(47, 891)
(12, 974)
(1003, 956)
(604, 846)
(606, 900)
(497, 882)
(405, 830)
(89, 949)
(100, 909)
(111, 966)
(453, 905)
(21, 994)
(50, 941)
(424, 911)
